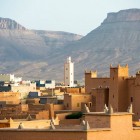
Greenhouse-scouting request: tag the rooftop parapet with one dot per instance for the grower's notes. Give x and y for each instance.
(92, 73)
(138, 72)
(119, 66)
(20, 126)
(86, 126)
(130, 109)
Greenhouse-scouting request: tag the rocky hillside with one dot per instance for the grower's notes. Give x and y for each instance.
(56, 38)
(116, 40)
(6, 23)
(41, 54)
(24, 51)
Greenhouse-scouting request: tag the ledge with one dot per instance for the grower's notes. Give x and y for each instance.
(136, 128)
(105, 114)
(50, 130)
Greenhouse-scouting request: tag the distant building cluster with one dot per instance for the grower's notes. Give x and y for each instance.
(10, 78)
(105, 108)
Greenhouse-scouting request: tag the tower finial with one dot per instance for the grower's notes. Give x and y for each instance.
(86, 126)
(130, 109)
(105, 109)
(110, 111)
(20, 126)
(52, 126)
(86, 109)
(69, 59)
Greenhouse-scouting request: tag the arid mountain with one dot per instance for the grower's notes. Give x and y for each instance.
(6, 23)
(24, 51)
(57, 39)
(41, 54)
(115, 41)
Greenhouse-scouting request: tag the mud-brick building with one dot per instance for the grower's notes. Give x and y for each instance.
(94, 126)
(119, 90)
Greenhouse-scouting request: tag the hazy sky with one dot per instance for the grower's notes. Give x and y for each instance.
(76, 16)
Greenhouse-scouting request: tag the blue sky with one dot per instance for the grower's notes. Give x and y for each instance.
(76, 16)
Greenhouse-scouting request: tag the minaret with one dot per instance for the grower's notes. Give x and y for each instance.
(69, 73)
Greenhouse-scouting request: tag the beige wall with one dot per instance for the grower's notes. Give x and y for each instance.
(94, 82)
(121, 128)
(43, 135)
(10, 97)
(33, 101)
(98, 121)
(42, 115)
(31, 124)
(75, 90)
(136, 102)
(134, 94)
(100, 98)
(119, 90)
(23, 107)
(24, 89)
(72, 90)
(61, 116)
(116, 126)
(68, 122)
(67, 101)
(7, 77)
(74, 101)
(118, 95)
(58, 107)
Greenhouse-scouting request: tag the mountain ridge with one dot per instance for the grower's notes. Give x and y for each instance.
(24, 52)
(7, 23)
(123, 16)
(115, 43)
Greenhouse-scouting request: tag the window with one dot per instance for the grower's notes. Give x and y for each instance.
(78, 105)
(123, 78)
(90, 104)
(131, 99)
(67, 105)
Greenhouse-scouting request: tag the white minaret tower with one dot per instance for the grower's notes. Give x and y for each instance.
(69, 73)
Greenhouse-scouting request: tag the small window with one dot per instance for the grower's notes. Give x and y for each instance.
(78, 105)
(67, 105)
(113, 95)
(90, 104)
(131, 99)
